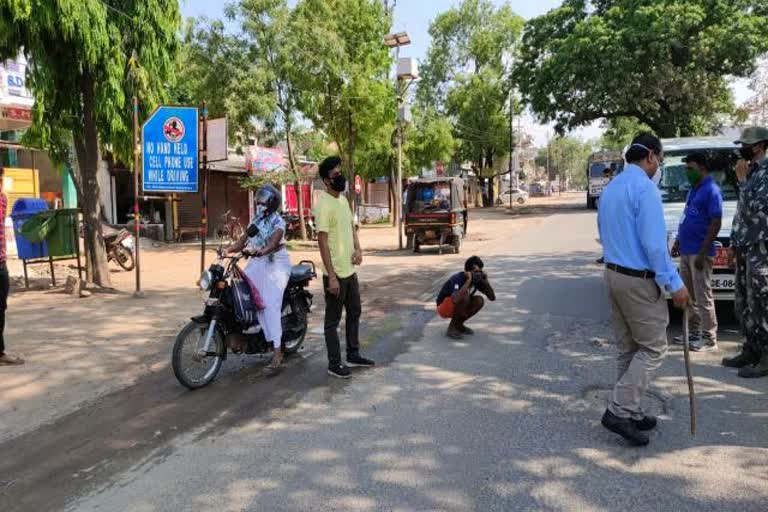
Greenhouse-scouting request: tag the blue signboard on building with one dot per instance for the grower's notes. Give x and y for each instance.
(169, 150)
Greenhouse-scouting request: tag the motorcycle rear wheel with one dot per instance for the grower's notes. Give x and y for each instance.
(124, 258)
(294, 330)
(192, 370)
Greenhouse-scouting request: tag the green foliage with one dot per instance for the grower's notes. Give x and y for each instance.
(466, 75)
(661, 62)
(214, 66)
(567, 158)
(619, 132)
(429, 140)
(256, 181)
(340, 68)
(84, 44)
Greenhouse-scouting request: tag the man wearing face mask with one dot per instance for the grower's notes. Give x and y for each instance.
(695, 244)
(340, 251)
(749, 242)
(638, 271)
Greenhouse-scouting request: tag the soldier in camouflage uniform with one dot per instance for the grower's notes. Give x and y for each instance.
(749, 240)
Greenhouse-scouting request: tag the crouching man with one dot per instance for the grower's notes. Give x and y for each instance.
(458, 299)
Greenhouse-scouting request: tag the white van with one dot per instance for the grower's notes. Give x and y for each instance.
(723, 154)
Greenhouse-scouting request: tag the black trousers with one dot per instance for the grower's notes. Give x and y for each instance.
(348, 300)
(4, 288)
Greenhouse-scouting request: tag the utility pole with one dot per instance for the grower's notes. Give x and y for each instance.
(396, 41)
(511, 146)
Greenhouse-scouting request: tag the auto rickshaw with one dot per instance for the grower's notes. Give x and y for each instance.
(436, 213)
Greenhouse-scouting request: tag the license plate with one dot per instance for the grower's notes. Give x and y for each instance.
(723, 282)
(721, 257)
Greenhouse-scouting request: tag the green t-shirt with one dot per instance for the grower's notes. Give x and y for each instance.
(334, 216)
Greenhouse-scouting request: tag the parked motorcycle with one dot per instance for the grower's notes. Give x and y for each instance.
(201, 346)
(293, 227)
(119, 244)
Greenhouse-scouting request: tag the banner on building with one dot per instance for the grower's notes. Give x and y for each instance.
(259, 159)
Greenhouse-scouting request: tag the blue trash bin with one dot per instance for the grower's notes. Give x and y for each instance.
(23, 210)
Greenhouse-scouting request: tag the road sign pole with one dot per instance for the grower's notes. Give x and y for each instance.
(136, 215)
(204, 220)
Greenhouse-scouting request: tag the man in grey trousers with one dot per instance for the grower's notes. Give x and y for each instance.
(639, 270)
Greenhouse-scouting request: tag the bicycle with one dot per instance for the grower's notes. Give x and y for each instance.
(229, 230)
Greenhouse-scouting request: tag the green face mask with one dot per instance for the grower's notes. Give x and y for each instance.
(694, 175)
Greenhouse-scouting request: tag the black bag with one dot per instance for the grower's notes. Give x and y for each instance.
(245, 310)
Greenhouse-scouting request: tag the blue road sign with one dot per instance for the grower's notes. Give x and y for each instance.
(169, 150)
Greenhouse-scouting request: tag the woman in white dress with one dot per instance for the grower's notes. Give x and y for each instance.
(269, 268)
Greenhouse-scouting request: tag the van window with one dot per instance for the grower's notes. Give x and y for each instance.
(674, 184)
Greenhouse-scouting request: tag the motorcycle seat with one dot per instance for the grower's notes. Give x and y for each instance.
(301, 273)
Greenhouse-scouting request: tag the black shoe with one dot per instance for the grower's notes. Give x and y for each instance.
(339, 371)
(740, 360)
(463, 329)
(625, 428)
(755, 371)
(356, 360)
(454, 333)
(647, 423)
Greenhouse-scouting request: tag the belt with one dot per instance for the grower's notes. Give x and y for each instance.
(642, 274)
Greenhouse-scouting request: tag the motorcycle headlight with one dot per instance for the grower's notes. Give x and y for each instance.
(205, 280)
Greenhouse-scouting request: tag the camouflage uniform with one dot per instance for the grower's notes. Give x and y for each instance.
(749, 239)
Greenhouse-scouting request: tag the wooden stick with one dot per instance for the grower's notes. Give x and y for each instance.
(688, 373)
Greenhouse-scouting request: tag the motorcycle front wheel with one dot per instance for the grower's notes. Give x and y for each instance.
(193, 369)
(124, 258)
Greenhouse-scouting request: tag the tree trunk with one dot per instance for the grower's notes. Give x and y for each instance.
(297, 180)
(392, 192)
(351, 163)
(86, 182)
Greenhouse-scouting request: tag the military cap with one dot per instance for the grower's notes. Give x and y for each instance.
(753, 135)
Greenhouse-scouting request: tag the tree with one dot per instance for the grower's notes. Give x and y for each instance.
(756, 109)
(619, 131)
(661, 62)
(214, 65)
(86, 59)
(268, 26)
(466, 76)
(341, 67)
(567, 160)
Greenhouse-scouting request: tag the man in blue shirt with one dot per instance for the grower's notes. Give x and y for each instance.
(695, 244)
(638, 271)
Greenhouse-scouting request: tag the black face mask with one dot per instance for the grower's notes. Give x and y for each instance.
(339, 183)
(746, 153)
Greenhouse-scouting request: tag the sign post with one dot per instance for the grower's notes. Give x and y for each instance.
(170, 156)
(204, 220)
(137, 224)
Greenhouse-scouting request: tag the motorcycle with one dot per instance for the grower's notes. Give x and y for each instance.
(293, 227)
(118, 243)
(201, 346)
(119, 247)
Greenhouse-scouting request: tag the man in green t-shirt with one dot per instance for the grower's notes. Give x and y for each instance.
(340, 250)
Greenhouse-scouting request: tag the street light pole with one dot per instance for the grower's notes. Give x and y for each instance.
(396, 41)
(511, 147)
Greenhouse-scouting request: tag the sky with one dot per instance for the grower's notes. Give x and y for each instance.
(414, 17)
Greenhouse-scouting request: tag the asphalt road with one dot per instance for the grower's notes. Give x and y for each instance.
(507, 420)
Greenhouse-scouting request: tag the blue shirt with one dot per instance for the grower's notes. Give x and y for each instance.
(451, 286)
(704, 204)
(630, 218)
